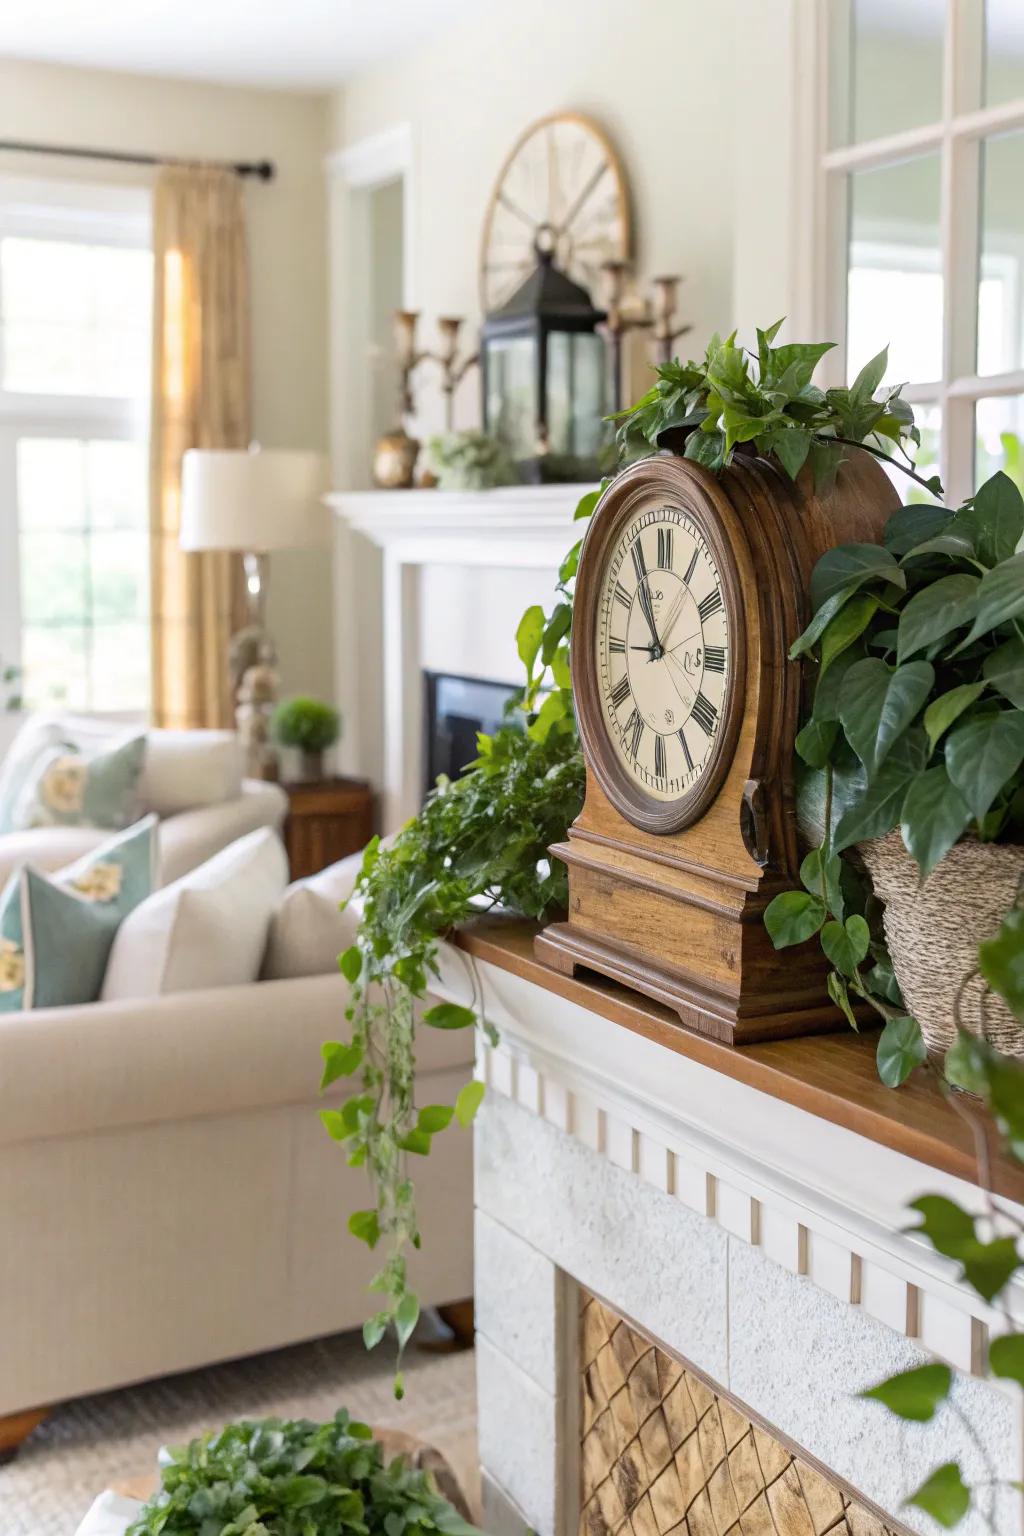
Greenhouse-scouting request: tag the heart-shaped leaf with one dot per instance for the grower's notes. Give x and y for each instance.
(407, 1315)
(900, 1049)
(339, 1061)
(937, 610)
(944, 1496)
(848, 625)
(948, 707)
(365, 1226)
(1006, 1357)
(846, 944)
(794, 917)
(1004, 670)
(912, 525)
(878, 704)
(914, 1394)
(994, 521)
(934, 817)
(1001, 960)
(468, 1101)
(815, 742)
(982, 754)
(999, 598)
(449, 1016)
(875, 810)
(847, 568)
(434, 1118)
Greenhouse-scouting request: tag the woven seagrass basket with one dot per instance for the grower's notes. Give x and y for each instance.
(933, 932)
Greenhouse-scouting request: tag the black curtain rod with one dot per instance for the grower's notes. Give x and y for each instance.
(263, 170)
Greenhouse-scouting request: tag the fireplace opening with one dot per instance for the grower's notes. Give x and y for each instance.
(457, 708)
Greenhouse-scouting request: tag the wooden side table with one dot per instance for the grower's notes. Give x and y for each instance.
(327, 819)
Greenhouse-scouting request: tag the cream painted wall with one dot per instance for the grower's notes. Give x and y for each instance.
(654, 74)
(288, 261)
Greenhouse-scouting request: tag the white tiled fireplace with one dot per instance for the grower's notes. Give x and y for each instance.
(764, 1247)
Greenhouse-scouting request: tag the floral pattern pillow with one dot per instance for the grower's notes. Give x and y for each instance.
(56, 930)
(69, 788)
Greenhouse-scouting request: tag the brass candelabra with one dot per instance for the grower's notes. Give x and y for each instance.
(630, 311)
(410, 356)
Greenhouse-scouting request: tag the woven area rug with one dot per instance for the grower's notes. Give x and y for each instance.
(90, 1444)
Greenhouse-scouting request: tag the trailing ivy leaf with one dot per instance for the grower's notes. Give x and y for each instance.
(936, 611)
(900, 1049)
(988, 1267)
(365, 1226)
(846, 944)
(350, 963)
(1003, 668)
(529, 636)
(374, 1329)
(449, 1016)
(944, 1496)
(914, 1394)
(1000, 597)
(957, 545)
(982, 754)
(339, 1061)
(994, 520)
(847, 626)
(333, 1124)
(587, 503)
(556, 708)
(878, 704)
(946, 1225)
(882, 981)
(820, 874)
(470, 1097)
(790, 445)
(815, 742)
(934, 817)
(1006, 1357)
(415, 1141)
(839, 993)
(434, 1118)
(1001, 961)
(849, 566)
(793, 917)
(948, 707)
(912, 525)
(570, 565)
(407, 1315)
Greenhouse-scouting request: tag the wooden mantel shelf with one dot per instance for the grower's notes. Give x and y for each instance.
(831, 1076)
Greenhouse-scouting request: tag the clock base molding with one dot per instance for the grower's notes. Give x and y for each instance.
(567, 950)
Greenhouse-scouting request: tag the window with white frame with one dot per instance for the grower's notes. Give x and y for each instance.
(922, 176)
(75, 315)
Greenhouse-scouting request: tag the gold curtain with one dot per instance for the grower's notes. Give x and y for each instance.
(200, 400)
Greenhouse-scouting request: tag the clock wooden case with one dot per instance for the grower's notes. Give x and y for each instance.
(691, 589)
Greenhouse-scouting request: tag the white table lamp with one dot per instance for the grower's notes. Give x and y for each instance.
(253, 501)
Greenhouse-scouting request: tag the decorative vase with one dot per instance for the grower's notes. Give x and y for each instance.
(933, 931)
(394, 460)
(312, 766)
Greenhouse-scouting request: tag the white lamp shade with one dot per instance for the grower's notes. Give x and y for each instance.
(252, 499)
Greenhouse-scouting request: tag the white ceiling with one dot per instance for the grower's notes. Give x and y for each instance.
(296, 44)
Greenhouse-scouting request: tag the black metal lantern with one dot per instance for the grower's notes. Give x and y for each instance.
(543, 368)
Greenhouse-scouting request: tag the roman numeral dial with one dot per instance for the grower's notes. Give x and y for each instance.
(663, 652)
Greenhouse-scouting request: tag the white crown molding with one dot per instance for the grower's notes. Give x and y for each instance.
(530, 526)
(372, 160)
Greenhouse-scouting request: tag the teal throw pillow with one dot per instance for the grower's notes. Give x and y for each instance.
(56, 930)
(69, 788)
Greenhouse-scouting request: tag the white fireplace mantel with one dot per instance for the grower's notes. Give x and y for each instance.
(765, 1245)
(522, 527)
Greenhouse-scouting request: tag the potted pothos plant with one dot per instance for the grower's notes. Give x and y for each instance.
(916, 734)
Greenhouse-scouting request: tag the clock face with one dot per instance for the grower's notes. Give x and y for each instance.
(664, 653)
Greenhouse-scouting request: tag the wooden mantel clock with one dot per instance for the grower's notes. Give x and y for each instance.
(691, 589)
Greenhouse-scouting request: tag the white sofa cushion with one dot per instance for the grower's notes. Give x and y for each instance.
(307, 931)
(186, 769)
(190, 838)
(207, 929)
(34, 739)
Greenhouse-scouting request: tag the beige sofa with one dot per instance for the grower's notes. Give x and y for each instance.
(169, 1198)
(192, 780)
(168, 1195)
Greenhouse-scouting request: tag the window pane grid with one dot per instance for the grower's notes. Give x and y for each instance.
(967, 128)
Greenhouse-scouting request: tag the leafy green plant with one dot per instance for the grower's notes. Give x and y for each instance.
(469, 461)
(294, 1478)
(480, 841)
(305, 723)
(730, 399)
(917, 721)
(10, 688)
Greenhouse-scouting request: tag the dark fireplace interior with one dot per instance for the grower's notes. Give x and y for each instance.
(456, 709)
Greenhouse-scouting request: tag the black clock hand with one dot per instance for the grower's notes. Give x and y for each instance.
(644, 597)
